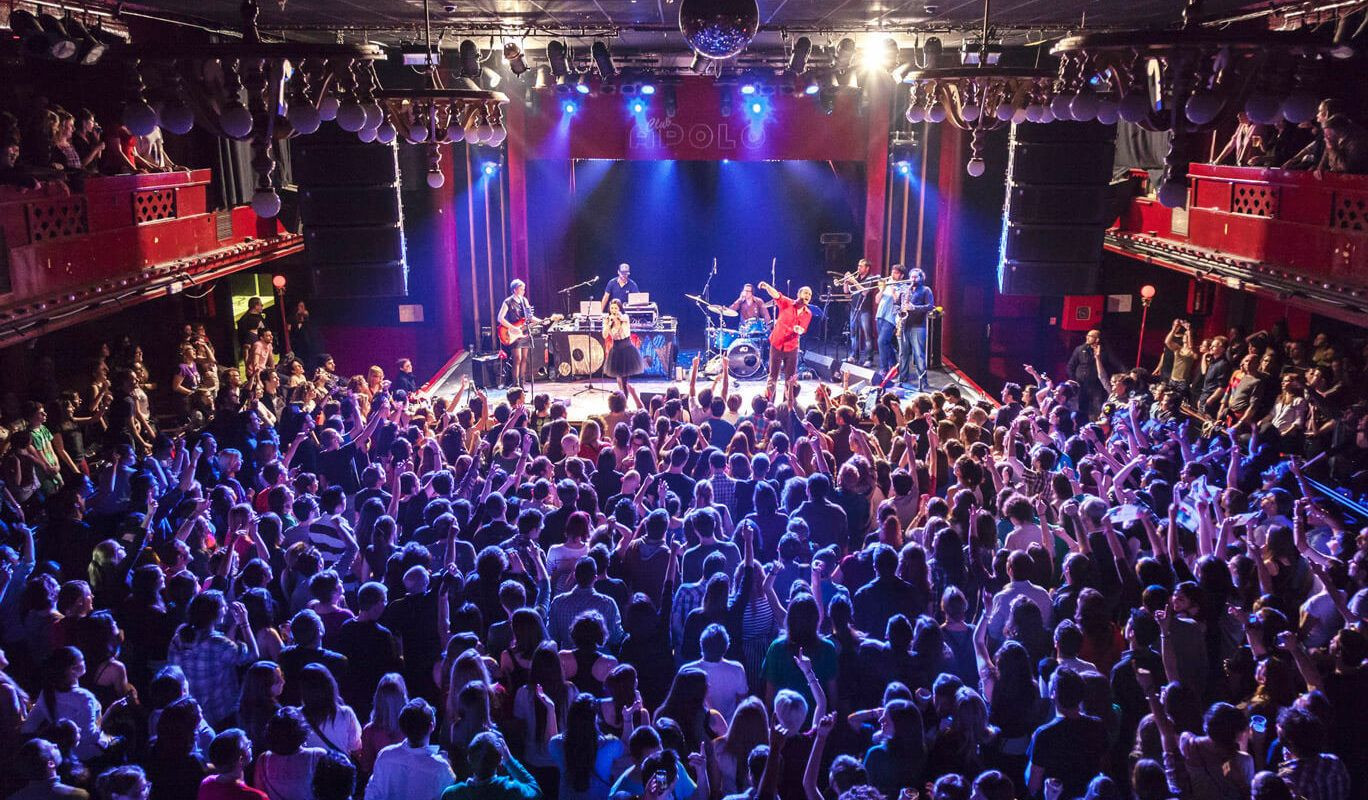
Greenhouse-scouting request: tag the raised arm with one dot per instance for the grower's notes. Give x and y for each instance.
(814, 762)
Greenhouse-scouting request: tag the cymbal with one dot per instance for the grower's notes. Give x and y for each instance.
(725, 311)
(696, 299)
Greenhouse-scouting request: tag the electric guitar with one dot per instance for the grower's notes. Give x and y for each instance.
(510, 335)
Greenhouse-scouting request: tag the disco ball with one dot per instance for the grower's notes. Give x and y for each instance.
(719, 28)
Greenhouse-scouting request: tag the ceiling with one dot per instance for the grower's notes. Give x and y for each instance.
(652, 25)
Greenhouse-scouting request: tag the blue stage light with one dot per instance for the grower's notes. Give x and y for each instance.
(748, 88)
(490, 168)
(904, 167)
(569, 107)
(811, 89)
(638, 106)
(647, 89)
(756, 108)
(582, 88)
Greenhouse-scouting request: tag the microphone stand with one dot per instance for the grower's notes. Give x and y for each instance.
(567, 290)
(707, 285)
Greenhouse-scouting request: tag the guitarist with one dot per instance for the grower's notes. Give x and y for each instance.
(515, 320)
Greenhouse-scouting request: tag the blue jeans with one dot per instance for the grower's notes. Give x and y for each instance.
(862, 335)
(888, 345)
(912, 353)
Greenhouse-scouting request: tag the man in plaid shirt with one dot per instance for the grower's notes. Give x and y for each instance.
(1310, 773)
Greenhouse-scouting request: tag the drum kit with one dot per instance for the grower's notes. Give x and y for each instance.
(742, 350)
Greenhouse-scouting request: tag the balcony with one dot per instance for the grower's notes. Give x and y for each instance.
(1292, 235)
(68, 257)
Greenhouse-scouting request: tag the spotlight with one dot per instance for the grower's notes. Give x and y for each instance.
(490, 169)
(515, 58)
(470, 60)
(582, 86)
(904, 167)
(802, 47)
(544, 79)
(931, 52)
(747, 88)
(648, 89)
(757, 108)
(60, 45)
(569, 107)
(557, 59)
(845, 54)
(811, 86)
(90, 49)
(892, 55)
(603, 58)
(638, 106)
(699, 64)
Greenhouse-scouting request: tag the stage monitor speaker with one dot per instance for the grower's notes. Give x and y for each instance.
(487, 371)
(824, 367)
(858, 374)
(1056, 209)
(352, 215)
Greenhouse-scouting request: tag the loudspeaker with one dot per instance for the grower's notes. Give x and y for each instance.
(858, 373)
(1056, 209)
(825, 367)
(352, 215)
(487, 371)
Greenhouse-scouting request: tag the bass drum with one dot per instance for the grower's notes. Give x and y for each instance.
(745, 359)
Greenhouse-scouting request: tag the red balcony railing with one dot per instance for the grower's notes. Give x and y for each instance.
(69, 256)
(1297, 235)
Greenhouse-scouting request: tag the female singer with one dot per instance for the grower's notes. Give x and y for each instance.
(624, 360)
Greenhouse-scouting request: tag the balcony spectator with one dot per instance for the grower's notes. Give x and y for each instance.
(87, 139)
(1238, 150)
(1278, 143)
(1346, 146)
(12, 171)
(1312, 154)
(119, 156)
(39, 149)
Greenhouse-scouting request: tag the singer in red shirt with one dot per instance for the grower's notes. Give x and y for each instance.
(794, 318)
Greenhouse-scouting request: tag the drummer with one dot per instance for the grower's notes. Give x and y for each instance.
(749, 306)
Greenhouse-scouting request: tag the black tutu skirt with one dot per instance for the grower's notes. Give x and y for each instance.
(624, 360)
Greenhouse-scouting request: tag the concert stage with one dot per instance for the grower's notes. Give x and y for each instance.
(585, 404)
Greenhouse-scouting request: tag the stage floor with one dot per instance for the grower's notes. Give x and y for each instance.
(584, 404)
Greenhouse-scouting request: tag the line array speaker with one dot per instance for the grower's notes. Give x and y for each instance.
(1056, 209)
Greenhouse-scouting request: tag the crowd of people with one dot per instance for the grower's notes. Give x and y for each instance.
(1109, 585)
(46, 144)
(1331, 142)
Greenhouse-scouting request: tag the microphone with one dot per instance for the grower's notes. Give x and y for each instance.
(595, 280)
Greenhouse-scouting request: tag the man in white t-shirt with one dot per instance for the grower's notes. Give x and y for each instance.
(726, 678)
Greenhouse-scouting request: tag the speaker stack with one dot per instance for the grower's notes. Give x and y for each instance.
(353, 220)
(1056, 209)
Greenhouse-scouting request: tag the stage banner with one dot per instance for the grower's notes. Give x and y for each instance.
(706, 125)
